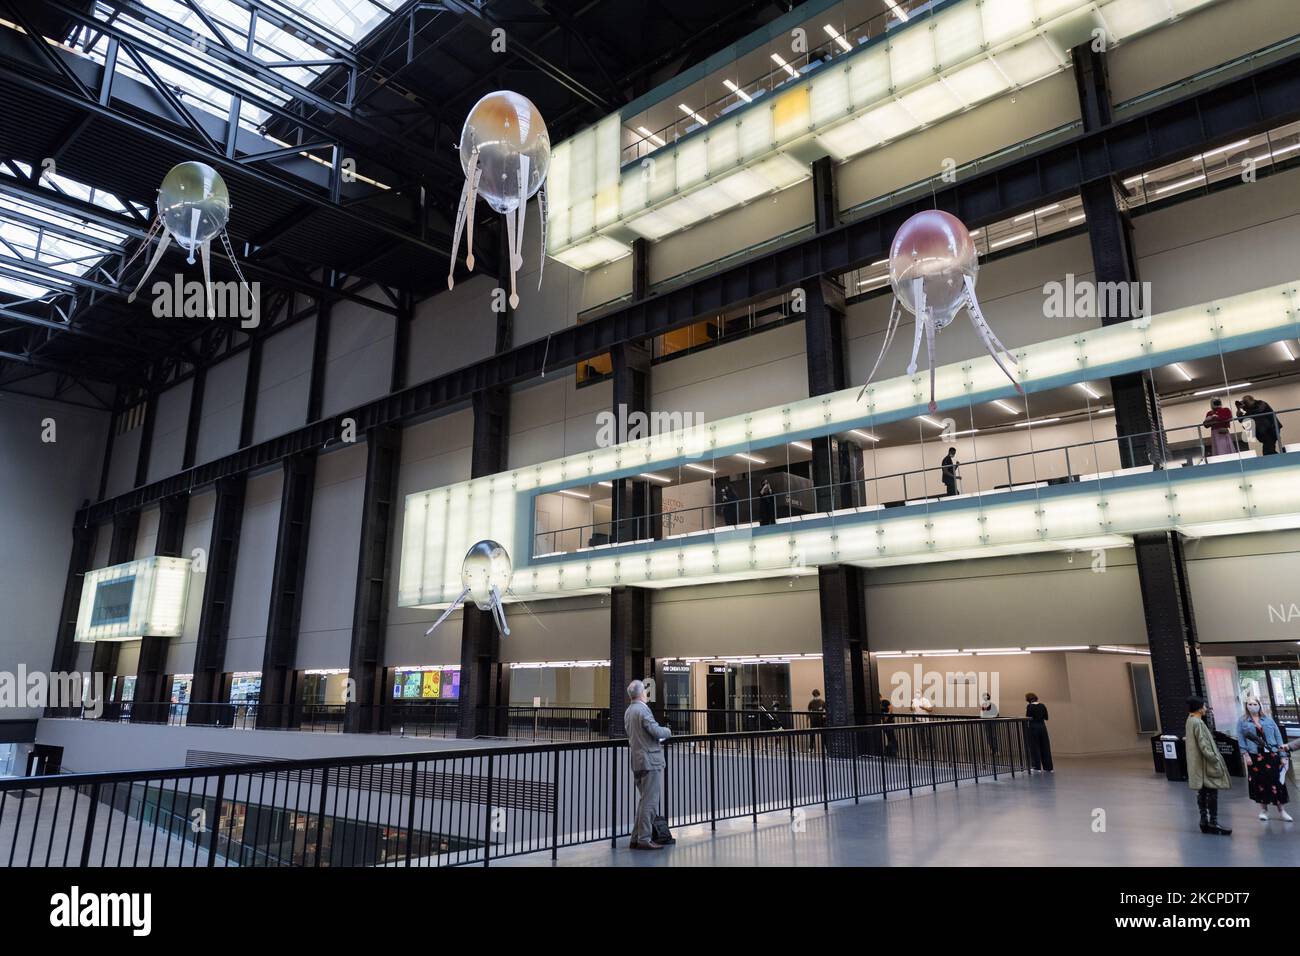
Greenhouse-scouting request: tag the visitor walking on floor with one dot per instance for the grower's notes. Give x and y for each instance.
(1207, 774)
(646, 752)
(1036, 738)
(1268, 759)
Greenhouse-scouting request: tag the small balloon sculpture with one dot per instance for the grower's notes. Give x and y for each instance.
(485, 574)
(932, 269)
(193, 207)
(505, 152)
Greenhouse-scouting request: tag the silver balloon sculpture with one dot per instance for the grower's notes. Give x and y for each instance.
(485, 574)
(193, 208)
(932, 268)
(505, 152)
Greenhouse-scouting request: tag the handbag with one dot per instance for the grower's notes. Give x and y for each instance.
(660, 832)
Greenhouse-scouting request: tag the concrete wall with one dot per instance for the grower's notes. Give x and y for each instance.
(41, 484)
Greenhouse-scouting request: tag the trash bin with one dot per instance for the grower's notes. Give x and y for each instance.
(1174, 752)
(1158, 755)
(1230, 750)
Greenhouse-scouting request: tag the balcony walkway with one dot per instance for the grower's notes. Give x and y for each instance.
(1043, 820)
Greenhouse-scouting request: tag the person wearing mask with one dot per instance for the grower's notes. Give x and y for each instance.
(989, 712)
(1219, 421)
(1207, 774)
(1040, 744)
(646, 752)
(951, 472)
(766, 504)
(1267, 426)
(1261, 740)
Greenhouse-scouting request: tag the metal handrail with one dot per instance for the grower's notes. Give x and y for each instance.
(1153, 444)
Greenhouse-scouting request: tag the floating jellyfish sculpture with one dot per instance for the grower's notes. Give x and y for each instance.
(485, 574)
(932, 269)
(193, 209)
(505, 151)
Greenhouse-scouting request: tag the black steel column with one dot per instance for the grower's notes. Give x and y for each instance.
(126, 527)
(483, 682)
(214, 618)
(846, 666)
(319, 355)
(65, 647)
(197, 387)
(827, 371)
(146, 439)
(1110, 234)
(277, 705)
(374, 565)
(630, 498)
(629, 648)
(252, 384)
(826, 205)
(1171, 626)
(152, 689)
(401, 342)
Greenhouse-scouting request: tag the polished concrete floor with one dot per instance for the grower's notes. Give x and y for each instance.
(1043, 820)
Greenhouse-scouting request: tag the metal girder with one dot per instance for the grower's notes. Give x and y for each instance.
(210, 133)
(1243, 106)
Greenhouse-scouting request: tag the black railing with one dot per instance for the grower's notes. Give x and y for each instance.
(472, 806)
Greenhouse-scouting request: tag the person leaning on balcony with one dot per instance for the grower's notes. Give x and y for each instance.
(1267, 425)
(951, 472)
(1219, 421)
(1207, 774)
(646, 752)
(1040, 744)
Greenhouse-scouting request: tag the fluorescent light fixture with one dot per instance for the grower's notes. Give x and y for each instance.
(1222, 388)
(1039, 212)
(1079, 218)
(1037, 421)
(659, 478)
(650, 136)
(930, 421)
(704, 468)
(754, 458)
(845, 45)
(1121, 650)
(946, 654)
(864, 435)
(738, 91)
(574, 494)
(1089, 390)
(1190, 181)
(991, 650)
(1286, 347)
(1222, 149)
(881, 262)
(999, 653)
(1063, 647)
(876, 281)
(1010, 239)
(1178, 367)
(606, 484)
(784, 65)
(1274, 153)
(1009, 409)
(896, 10)
(802, 445)
(968, 431)
(691, 113)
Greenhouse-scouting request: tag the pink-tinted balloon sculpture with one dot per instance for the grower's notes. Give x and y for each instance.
(932, 269)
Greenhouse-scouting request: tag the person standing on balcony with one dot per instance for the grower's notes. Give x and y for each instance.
(646, 752)
(1219, 421)
(951, 472)
(989, 712)
(1267, 426)
(1040, 745)
(766, 504)
(1207, 774)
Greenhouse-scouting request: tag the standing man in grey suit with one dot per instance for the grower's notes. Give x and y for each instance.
(647, 754)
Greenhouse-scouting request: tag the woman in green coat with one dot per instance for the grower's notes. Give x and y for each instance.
(1207, 774)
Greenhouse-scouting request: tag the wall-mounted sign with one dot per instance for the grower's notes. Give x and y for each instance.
(144, 598)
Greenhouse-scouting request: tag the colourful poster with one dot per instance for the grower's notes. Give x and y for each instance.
(451, 685)
(432, 684)
(414, 682)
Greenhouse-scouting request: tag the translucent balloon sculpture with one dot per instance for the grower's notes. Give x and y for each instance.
(932, 269)
(485, 574)
(505, 152)
(193, 208)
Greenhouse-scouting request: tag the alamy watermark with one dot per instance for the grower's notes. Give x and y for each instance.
(617, 427)
(942, 688)
(1086, 299)
(231, 299)
(37, 690)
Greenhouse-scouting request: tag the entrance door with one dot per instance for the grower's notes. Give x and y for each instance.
(715, 694)
(44, 760)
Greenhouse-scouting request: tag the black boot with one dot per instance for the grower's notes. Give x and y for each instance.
(1221, 830)
(1205, 823)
